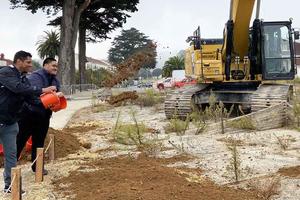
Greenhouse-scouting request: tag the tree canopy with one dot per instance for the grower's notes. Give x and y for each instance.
(129, 42)
(93, 18)
(157, 72)
(173, 63)
(144, 73)
(48, 45)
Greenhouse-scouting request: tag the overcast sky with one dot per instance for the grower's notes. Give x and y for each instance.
(168, 22)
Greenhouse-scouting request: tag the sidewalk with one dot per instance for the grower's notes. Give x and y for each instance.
(61, 118)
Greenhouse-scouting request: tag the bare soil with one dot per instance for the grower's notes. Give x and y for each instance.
(126, 178)
(65, 143)
(290, 171)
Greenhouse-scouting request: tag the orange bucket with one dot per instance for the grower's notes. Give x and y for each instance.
(28, 144)
(49, 99)
(61, 105)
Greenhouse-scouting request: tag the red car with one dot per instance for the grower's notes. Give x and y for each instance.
(185, 82)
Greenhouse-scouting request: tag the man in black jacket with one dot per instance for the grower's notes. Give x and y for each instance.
(15, 89)
(35, 119)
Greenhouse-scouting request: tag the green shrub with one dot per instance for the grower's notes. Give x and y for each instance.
(150, 98)
(242, 123)
(178, 126)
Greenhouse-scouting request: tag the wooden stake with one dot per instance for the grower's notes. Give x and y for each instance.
(51, 148)
(16, 187)
(39, 165)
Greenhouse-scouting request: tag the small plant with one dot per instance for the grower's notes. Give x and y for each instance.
(198, 121)
(129, 134)
(150, 98)
(284, 141)
(267, 188)
(178, 126)
(296, 110)
(235, 161)
(116, 126)
(242, 123)
(179, 147)
(137, 126)
(151, 147)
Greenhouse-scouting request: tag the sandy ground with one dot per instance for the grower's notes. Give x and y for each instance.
(103, 167)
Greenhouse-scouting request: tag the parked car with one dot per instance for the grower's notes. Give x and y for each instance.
(185, 82)
(145, 85)
(165, 83)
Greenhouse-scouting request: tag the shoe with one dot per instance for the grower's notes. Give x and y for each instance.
(7, 190)
(45, 172)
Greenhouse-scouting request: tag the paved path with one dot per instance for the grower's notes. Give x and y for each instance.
(61, 118)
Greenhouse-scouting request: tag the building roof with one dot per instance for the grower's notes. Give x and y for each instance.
(8, 62)
(95, 61)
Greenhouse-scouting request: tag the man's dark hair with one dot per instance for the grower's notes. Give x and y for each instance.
(22, 55)
(48, 60)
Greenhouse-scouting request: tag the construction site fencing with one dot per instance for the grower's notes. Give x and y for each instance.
(75, 88)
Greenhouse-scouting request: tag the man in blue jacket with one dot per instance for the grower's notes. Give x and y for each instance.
(35, 119)
(15, 89)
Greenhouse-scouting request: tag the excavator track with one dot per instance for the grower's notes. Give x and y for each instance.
(270, 94)
(179, 103)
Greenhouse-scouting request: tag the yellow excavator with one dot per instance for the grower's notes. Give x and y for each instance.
(243, 68)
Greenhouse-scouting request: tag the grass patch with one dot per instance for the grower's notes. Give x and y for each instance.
(178, 126)
(242, 123)
(150, 98)
(130, 134)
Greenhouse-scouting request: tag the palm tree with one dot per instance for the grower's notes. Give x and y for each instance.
(173, 63)
(48, 45)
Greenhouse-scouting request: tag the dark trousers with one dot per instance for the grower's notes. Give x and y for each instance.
(35, 126)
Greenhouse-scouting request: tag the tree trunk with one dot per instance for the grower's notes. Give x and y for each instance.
(68, 37)
(82, 55)
(65, 48)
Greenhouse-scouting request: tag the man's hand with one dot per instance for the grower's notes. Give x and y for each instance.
(49, 89)
(60, 94)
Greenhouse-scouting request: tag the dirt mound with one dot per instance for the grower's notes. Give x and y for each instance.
(123, 97)
(124, 178)
(290, 171)
(65, 143)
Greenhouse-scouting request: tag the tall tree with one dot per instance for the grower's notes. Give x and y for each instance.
(157, 72)
(71, 11)
(69, 29)
(173, 63)
(100, 18)
(48, 45)
(129, 42)
(97, 19)
(144, 73)
(36, 65)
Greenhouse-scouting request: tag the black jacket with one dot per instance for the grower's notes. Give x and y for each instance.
(15, 89)
(40, 78)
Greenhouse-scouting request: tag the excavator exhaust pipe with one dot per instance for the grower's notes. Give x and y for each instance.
(257, 9)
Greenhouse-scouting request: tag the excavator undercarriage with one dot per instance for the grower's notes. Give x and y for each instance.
(250, 96)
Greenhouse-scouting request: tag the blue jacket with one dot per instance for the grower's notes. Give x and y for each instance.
(14, 90)
(40, 78)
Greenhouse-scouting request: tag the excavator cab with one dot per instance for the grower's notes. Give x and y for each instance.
(277, 51)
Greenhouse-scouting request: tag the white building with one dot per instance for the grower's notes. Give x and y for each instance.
(93, 63)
